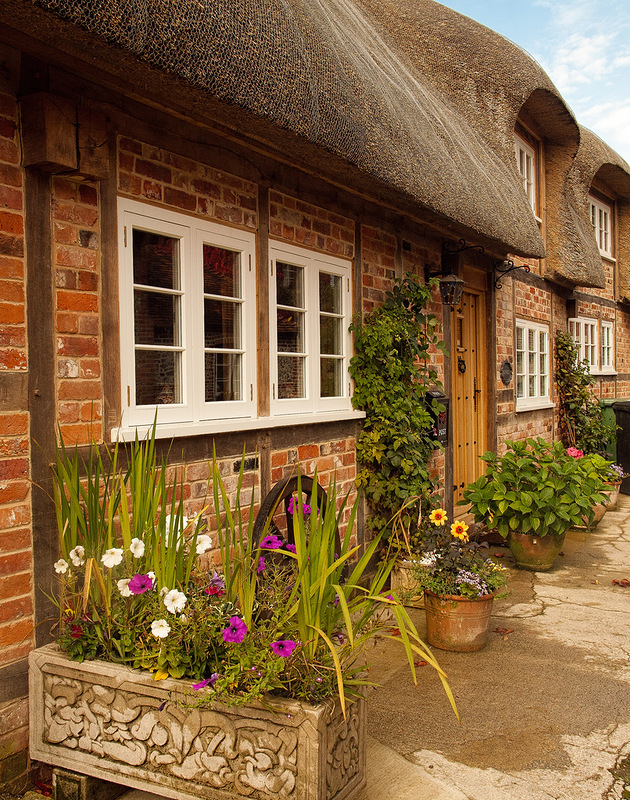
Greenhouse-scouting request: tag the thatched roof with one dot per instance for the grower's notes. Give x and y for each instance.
(322, 70)
(404, 99)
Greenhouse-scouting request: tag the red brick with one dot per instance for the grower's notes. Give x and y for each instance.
(125, 162)
(278, 459)
(77, 346)
(11, 223)
(207, 189)
(76, 257)
(11, 313)
(81, 433)
(13, 447)
(9, 151)
(88, 194)
(65, 279)
(11, 245)
(77, 301)
(151, 190)
(77, 389)
(308, 451)
(15, 632)
(15, 585)
(11, 359)
(90, 368)
(90, 412)
(12, 291)
(80, 215)
(64, 189)
(89, 325)
(20, 651)
(13, 563)
(15, 540)
(68, 412)
(11, 268)
(175, 197)
(129, 183)
(13, 491)
(11, 198)
(14, 516)
(130, 145)
(10, 176)
(67, 323)
(157, 172)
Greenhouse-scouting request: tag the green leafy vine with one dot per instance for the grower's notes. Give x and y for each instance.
(392, 371)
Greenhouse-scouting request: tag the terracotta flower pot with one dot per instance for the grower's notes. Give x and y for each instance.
(457, 623)
(536, 553)
(613, 494)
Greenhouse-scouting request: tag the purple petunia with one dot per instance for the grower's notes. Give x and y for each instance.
(261, 565)
(140, 584)
(206, 682)
(291, 548)
(271, 542)
(283, 647)
(236, 630)
(217, 581)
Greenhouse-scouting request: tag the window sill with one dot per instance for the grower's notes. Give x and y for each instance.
(604, 373)
(607, 257)
(534, 406)
(172, 430)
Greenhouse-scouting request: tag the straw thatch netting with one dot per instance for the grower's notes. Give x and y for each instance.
(320, 69)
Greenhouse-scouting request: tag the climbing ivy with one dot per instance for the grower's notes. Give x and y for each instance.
(581, 422)
(392, 372)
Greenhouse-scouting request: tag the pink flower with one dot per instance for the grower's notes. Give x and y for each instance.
(291, 548)
(283, 647)
(206, 682)
(140, 584)
(271, 542)
(236, 630)
(574, 452)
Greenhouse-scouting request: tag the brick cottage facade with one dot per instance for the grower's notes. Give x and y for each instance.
(163, 225)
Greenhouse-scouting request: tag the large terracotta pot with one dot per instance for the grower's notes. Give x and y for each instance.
(536, 553)
(613, 494)
(120, 725)
(457, 623)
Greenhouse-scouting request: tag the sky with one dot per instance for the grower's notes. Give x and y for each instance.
(584, 47)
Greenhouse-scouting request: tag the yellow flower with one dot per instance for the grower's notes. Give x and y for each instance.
(160, 675)
(438, 516)
(460, 531)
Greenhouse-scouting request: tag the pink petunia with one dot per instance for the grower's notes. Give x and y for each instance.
(140, 584)
(261, 565)
(283, 647)
(206, 682)
(271, 542)
(236, 630)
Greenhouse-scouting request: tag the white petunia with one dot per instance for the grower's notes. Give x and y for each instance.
(204, 542)
(123, 587)
(137, 548)
(164, 591)
(77, 556)
(112, 557)
(61, 566)
(175, 601)
(151, 575)
(160, 628)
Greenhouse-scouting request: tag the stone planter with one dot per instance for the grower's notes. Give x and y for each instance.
(536, 553)
(403, 582)
(119, 724)
(455, 623)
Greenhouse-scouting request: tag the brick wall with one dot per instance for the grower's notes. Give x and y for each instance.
(378, 269)
(76, 259)
(16, 576)
(302, 223)
(155, 175)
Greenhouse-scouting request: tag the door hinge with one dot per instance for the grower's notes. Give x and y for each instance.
(125, 235)
(128, 395)
(273, 391)
(251, 391)
(250, 262)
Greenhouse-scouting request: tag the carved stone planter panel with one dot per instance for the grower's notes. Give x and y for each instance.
(120, 725)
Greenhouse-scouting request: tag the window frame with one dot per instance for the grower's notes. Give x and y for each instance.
(607, 348)
(537, 400)
(192, 233)
(598, 206)
(585, 333)
(525, 149)
(312, 263)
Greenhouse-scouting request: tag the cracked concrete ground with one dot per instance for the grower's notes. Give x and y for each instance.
(545, 709)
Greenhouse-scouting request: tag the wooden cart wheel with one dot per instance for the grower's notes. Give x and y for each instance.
(281, 495)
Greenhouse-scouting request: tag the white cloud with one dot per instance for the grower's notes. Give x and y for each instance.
(611, 122)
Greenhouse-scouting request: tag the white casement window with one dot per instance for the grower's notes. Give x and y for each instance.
(532, 365)
(601, 219)
(187, 318)
(584, 333)
(526, 165)
(310, 311)
(607, 354)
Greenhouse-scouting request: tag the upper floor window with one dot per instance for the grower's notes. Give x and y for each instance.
(600, 214)
(311, 304)
(187, 318)
(585, 334)
(532, 365)
(526, 164)
(607, 353)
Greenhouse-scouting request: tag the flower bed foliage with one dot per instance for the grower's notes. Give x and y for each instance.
(278, 618)
(537, 487)
(581, 420)
(392, 373)
(453, 565)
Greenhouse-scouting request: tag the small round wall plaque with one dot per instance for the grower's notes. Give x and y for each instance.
(506, 373)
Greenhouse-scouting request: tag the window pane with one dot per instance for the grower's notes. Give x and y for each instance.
(158, 379)
(155, 260)
(221, 271)
(289, 285)
(543, 386)
(290, 331)
(223, 377)
(290, 377)
(330, 336)
(330, 377)
(156, 318)
(222, 323)
(330, 293)
(519, 386)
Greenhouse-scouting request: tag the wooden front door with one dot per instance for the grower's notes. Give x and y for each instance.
(469, 400)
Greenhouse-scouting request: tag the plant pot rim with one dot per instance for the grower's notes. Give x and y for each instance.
(461, 598)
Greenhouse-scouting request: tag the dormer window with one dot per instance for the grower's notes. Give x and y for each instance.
(600, 214)
(526, 165)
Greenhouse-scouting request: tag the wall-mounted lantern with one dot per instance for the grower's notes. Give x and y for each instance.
(451, 286)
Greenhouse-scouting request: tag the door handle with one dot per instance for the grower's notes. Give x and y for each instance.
(475, 392)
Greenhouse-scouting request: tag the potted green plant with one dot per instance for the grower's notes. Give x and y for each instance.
(169, 678)
(459, 582)
(613, 478)
(596, 464)
(531, 495)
